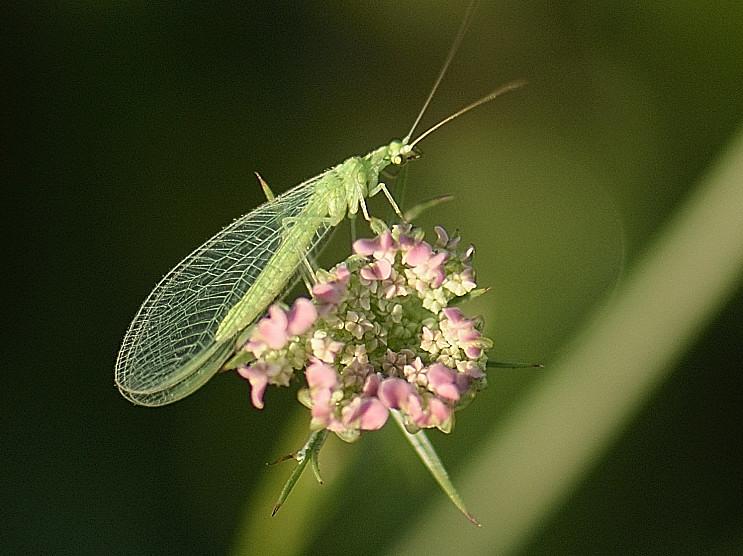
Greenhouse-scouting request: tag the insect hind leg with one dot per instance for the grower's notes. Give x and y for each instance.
(264, 186)
(308, 272)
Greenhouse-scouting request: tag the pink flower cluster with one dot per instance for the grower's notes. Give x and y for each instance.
(272, 334)
(379, 334)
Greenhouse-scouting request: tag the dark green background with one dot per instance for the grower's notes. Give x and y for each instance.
(133, 131)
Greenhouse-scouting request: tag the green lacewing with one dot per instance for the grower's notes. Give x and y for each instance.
(188, 326)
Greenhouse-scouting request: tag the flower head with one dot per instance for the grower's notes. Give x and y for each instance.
(379, 334)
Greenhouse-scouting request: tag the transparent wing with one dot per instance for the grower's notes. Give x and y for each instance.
(169, 350)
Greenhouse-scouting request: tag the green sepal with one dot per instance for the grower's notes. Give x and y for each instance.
(307, 454)
(315, 464)
(237, 360)
(447, 426)
(354, 262)
(349, 435)
(469, 296)
(467, 398)
(243, 337)
(378, 226)
(303, 395)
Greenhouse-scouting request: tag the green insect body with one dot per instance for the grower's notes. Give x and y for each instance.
(195, 318)
(198, 316)
(340, 192)
(187, 327)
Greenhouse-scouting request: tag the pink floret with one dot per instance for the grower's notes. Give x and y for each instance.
(301, 317)
(378, 270)
(258, 382)
(272, 329)
(365, 413)
(381, 247)
(439, 411)
(374, 415)
(321, 376)
(442, 380)
(365, 247)
(395, 392)
(371, 385)
(418, 255)
(455, 316)
(332, 292)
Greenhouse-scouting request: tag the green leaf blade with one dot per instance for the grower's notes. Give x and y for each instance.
(426, 452)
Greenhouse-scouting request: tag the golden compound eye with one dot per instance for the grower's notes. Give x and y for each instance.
(397, 159)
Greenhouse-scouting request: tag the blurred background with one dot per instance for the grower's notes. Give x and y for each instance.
(133, 135)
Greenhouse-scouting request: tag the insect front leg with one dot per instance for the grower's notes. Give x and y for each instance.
(383, 188)
(364, 210)
(308, 274)
(352, 219)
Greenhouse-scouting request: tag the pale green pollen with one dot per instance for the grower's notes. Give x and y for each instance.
(357, 324)
(429, 341)
(447, 359)
(396, 313)
(364, 300)
(354, 352)
(372, 344)
(278, 370)
(394, 362)
(458, 284)
(324, 347)
(435, 300)
(296, 354)
(415, 373)
(368, 287)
